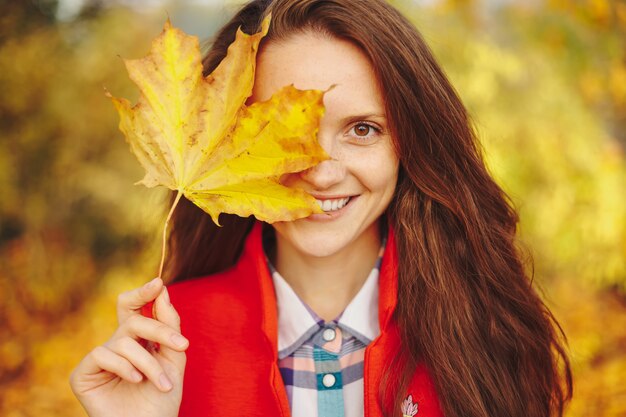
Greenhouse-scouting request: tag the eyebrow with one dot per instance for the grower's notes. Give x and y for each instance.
(364, 116)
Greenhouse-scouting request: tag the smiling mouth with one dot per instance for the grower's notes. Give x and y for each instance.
(334, 204)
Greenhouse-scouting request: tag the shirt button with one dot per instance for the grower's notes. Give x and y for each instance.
(329, 335)
(329, 380)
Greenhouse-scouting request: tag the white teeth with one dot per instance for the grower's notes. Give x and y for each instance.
(332, 205)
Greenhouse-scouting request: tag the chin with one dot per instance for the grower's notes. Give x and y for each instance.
(319, 243)
(320, 249)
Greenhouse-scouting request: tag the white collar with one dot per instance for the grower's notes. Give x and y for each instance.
(297, 322)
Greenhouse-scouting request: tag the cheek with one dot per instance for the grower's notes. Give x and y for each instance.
(379, 174)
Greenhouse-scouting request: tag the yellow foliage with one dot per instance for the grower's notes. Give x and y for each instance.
(618, 84)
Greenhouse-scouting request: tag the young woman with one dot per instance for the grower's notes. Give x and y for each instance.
(407, 297)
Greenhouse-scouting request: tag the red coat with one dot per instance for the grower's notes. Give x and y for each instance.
(231, 320)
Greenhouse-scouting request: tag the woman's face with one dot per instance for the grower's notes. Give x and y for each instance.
(354, 131)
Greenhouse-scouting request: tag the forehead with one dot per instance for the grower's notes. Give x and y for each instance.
(315, 61)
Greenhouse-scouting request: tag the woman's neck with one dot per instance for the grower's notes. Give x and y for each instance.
(328, 284)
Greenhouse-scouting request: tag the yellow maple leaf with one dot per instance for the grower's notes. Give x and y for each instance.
(195, 135)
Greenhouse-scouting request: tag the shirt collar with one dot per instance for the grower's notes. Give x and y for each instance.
(297, 322)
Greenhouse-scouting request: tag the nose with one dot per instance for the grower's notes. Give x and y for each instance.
(325, 174)
(332, 171)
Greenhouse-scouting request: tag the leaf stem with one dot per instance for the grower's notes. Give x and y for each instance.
(167, 222)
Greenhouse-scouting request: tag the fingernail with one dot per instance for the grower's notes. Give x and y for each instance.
(136, 376)
(166, 295)
(165, 382)
(178, 340)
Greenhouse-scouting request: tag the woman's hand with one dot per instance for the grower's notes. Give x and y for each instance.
(139, 371)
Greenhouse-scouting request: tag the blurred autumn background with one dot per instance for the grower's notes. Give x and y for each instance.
(544, 80)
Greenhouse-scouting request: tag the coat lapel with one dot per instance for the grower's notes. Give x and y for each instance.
(269, 311)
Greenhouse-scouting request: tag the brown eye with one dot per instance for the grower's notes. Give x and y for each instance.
(362, 129)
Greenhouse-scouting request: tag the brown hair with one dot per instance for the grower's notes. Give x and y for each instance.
(466, 307)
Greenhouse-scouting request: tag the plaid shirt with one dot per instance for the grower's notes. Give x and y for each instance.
(322, 362)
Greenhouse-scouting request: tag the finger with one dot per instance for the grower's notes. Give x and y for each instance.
(140, 327)
(141, 359)
(98, 360)
(130, 302)
(165, 311)
(167, 314)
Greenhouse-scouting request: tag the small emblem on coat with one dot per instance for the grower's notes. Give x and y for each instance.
(409, 408)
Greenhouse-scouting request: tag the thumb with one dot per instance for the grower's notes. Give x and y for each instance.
(131, 302)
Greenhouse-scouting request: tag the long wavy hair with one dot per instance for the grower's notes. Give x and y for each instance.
(466, 306)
